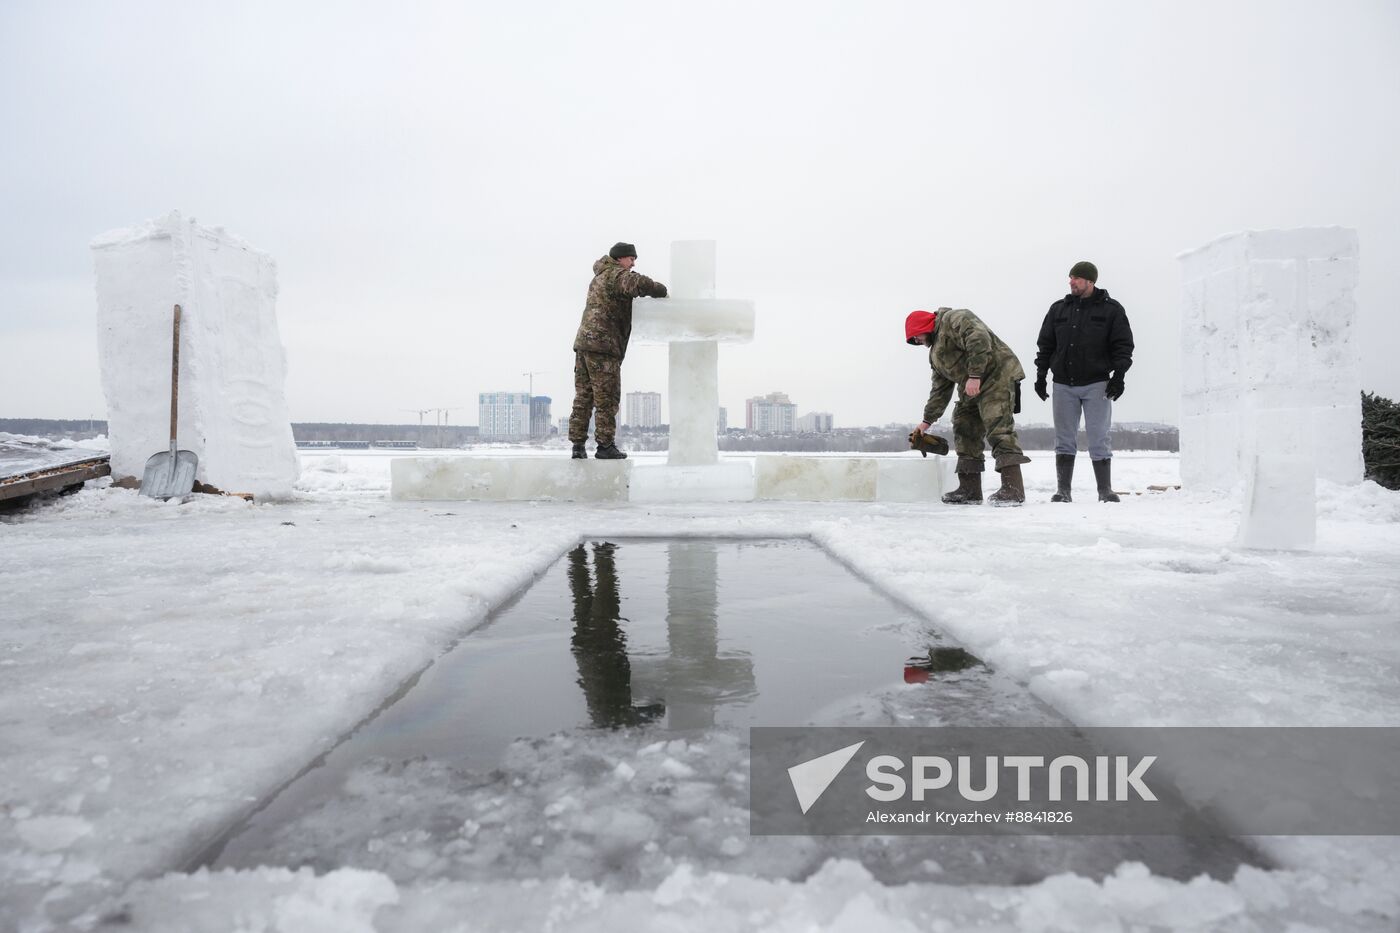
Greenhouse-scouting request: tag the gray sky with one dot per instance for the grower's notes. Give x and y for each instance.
(436, 180)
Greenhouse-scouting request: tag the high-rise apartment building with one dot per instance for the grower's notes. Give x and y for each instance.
(504, 415)
(644, 409)
(539, 415)
(773, 413)
(815, 422)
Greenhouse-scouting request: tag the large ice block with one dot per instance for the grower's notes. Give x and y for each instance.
(232, 407)
(1280, 500)
(664, 320)
(910, 479)
(515, 479)
(1268, 323)
(820, 479)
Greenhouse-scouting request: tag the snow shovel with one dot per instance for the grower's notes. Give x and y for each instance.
(171, 473)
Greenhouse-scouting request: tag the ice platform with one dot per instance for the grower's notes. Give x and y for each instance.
(852, 479)
(509, 479)
(789, 478)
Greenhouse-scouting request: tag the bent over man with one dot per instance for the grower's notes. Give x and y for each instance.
(965, 355)
(600, 345)
(1086, 342)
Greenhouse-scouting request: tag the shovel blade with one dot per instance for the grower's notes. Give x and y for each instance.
(169, 475)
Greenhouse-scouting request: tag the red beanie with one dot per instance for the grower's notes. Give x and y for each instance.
(919, 323)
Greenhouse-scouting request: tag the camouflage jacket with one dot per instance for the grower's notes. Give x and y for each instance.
(964, 347)
(607, 316)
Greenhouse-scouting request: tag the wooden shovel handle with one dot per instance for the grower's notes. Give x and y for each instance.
(175, 377)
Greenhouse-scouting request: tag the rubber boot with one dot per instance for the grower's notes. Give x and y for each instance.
(1103, 470)
(579, 453)
(1064, 473)
(1013, 488)
(609, 452)
(969, 491)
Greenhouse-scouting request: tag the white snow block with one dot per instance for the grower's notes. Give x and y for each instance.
(720, 482)
(1268, 323)
(233, 369)
(816, 479)
(514, 479)
(1280, 500)
(913, 479)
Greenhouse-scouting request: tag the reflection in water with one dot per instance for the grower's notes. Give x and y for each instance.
(600, 645)
(918, 670)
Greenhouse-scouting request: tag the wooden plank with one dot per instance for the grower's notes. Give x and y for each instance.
(49, 480)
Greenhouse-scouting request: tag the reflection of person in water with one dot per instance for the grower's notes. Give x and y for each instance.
(600, 645)
(939, 661)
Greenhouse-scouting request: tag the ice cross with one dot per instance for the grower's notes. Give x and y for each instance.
(693, 322)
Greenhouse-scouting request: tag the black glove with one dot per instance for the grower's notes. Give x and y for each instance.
(1040, 388)
(1114, 389)
(926, 444)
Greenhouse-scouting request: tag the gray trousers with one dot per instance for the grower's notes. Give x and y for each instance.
(1068, 403)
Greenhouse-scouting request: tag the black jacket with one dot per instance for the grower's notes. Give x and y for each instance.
(1084, 341)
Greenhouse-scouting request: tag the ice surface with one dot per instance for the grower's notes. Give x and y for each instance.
(1269, 323)
(166, 667)
(510, 479)
(232, 406)
(721, 482)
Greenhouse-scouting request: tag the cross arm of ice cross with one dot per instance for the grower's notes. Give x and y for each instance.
(671, 320)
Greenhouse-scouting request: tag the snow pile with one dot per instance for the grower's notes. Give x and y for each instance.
(232, 407)
(842, 896)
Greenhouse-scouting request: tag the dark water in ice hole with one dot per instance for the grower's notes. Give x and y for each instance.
(657, 639)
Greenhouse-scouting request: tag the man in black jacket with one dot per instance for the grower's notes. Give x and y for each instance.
(1087, 342)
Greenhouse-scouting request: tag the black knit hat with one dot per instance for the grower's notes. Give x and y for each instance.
(623, 249)
(1080, 270)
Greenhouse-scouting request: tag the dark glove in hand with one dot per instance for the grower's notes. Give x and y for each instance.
(927, 444)
(1041, 390)
(1114, 389)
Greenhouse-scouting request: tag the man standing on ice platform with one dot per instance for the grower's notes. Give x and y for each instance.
(600, 345)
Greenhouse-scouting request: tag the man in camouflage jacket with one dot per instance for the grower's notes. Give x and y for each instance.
(965, 355)
(600, 345)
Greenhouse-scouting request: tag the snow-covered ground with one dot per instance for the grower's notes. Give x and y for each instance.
(165, 666)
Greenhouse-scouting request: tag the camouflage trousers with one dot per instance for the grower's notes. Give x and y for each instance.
(597, 384)
(987, 417)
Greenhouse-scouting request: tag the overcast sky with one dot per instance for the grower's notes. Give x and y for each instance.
(436, 180)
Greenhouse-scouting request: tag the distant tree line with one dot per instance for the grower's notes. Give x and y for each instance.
(1380, 439)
